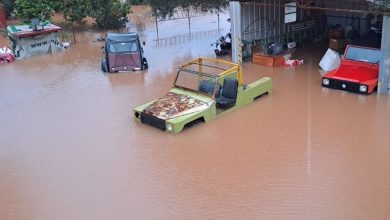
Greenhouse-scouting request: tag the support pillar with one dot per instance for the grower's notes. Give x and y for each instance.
(384, 68)
(235, 18)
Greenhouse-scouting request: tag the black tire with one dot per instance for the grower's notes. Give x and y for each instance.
(104, 66)
(145, 64)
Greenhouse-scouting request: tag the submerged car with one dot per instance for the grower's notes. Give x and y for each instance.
(123, 52)
(358, 71)
(203, 89)
(6, 55)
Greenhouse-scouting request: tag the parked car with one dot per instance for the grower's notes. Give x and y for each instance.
(123, 52)
(203, 89)
(358, 71)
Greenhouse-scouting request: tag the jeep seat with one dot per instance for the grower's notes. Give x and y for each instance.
(207, 86)
(228, 95)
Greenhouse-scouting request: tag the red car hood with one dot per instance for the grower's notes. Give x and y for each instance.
(355, 73)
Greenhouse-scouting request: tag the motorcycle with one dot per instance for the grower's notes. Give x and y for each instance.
(223, 45)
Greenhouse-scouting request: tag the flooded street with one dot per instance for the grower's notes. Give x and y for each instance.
(70, 149)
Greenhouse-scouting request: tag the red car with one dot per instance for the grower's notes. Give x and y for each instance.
(6, 55)
(358, 71)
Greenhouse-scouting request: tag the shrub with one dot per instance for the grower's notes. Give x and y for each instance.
(29, 9)
(110, 14)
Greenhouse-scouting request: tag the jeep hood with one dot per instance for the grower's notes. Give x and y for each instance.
(355, 73)
(173, 105)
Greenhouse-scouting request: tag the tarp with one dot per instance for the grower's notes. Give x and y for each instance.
(36, 45)
(26, 42)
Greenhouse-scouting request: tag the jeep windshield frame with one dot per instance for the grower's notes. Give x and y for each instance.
(187, 74)
(118, 47)
(363, 54)
(206, 74)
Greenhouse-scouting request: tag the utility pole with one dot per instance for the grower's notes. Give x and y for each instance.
(189, 21)
(155, 15)
(218, 20)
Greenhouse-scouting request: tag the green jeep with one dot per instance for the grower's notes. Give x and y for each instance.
(203, 89)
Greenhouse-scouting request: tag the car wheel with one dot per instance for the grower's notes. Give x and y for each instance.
(104, 66)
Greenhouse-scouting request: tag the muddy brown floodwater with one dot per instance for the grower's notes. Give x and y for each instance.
(70, 149)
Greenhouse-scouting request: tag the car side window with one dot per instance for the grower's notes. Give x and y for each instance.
(134, 47)
(112, 48)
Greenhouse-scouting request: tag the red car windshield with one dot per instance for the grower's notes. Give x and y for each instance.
(363, 54)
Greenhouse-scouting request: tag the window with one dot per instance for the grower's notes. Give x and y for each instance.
(124, 47)
(363, 54)
(290, 12)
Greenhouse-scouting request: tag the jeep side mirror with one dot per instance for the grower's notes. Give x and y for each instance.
(143, 43)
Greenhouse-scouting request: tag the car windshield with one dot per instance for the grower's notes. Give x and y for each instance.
(364, 54)
(123, 47)
(196, 81)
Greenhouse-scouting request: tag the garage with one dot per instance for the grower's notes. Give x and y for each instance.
(295, 23)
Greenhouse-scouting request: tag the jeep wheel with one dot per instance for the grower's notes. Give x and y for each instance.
(104, 66)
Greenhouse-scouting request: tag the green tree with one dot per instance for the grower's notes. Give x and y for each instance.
(75, 11)
(29, 9)
(110, 14)
(215, 5)
(165, 8)
(138, 2)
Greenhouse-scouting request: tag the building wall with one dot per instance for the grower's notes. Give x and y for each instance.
(3, 21)
(266, 22)
(357, 21)
(259, 22)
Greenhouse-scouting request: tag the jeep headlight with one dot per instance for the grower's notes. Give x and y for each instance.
(325, 81)
(170, 127)
(363, 88)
